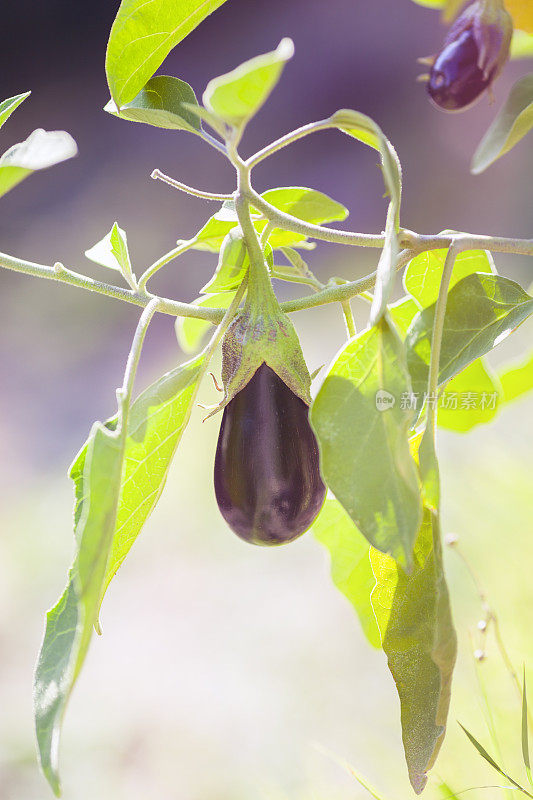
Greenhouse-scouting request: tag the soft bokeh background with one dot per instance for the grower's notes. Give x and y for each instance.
(224, 668)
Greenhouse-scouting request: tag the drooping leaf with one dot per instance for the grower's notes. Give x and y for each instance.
(190, 331)
(481, 311)
(143, 34)
(239, 94)
(351, 570)
(511, 124)
(96, 473)
(362, 430)
(10, 104)
(365, 130)
(40, 150)
(157, 420)
(517, 379)
(414, 617)
(232, 264)
(112, 252)
(471, 398)
(161, 102)
(423, 274)
(119, 475)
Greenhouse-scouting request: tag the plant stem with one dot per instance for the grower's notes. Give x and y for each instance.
(289, 138)
(156, 266)
(125, 392)
(348, 318)
(158, 175)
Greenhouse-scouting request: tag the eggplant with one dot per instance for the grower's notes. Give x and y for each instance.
(267, 475)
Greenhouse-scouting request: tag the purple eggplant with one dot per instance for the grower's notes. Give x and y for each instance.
(267, 476)
(472, 56)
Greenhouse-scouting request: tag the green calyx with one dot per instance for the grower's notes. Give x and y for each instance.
(262, 333)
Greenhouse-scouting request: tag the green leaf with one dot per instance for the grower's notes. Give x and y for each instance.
(143, 34)
(521, 45)
(190, 331)
(363, 436)
(40, 150)
(423, 274)
(482, 310)
(96, 473)
(8, 106)
(429, 470)
(112, 252)
(365, 130)
(482, 752)
(403, 313)
(471, 398)
(517, 379)
(239, 94)
(351, 570)
(161, 102)
(119, 475)
(511, 124)
(232, 264)
(157, 420)
(413, 614)
(306, 204)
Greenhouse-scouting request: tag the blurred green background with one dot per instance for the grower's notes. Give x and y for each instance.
(223, 668)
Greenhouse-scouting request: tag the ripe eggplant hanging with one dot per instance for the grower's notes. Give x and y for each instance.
(267, 477)
(472, 56)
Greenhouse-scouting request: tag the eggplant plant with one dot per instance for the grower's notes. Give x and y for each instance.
(368, 437)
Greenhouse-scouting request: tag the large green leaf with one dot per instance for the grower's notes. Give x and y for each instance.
(157, 420)
(143, 34)
(351, 570)
(365, 130)
(161, 102)
(191, 331)
(10, 104)
(423, 274)
(481, 311)
(239, 94)
(119, 475)
(414, 617)
(40, 150)
(362, 430)
(96, 473)
(511, 124)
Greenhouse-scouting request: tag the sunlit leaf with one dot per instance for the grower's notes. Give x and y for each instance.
(143, 34)
(362, 430)
(403, 313)
(423, 274)
(232, 264)
(517, 379)
(239, 94)
(40, 150)
(511, 124)
(161, 102)
(471, 398)
(96, 473)
(112, 252)
(10, 104)
(521, 45)
(306, 204)
(365, 130)
(481, 311)
(414, 617)
(191, 331)
(351, 570)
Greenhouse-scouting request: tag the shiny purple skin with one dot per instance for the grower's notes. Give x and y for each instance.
(456, 81)
(267, 478)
